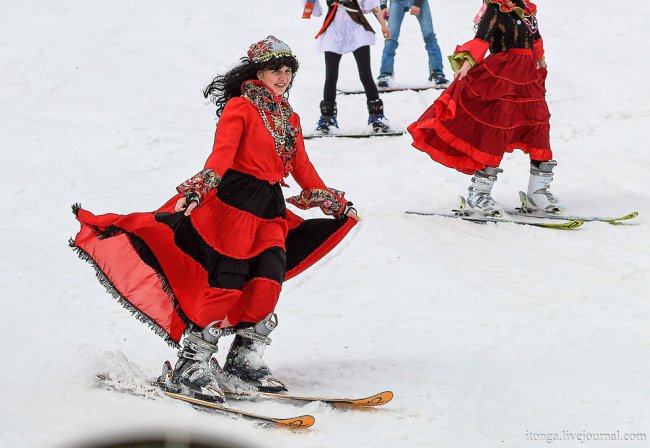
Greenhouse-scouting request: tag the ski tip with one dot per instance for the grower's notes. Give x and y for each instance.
(304, 421)
(622, 218)
(569, 225)
(377, 399)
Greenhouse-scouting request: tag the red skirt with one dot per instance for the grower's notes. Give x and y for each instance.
(499, 106)
(165, 267)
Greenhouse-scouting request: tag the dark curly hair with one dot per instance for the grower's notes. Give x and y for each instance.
(227, 86)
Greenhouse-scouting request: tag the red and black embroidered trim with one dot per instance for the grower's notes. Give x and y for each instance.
(330, 201)
(275, 116)
(200, 184)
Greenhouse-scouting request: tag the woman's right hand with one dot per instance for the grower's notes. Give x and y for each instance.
(181, 205)
(460, 74)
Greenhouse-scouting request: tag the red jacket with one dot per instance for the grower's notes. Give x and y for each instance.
(243, 143)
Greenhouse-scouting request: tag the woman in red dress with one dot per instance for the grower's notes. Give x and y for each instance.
(494, 105)
(212, 260)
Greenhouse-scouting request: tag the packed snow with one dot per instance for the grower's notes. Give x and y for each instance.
(494, 335)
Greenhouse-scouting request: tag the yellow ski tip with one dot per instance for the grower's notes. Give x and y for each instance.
(568, 225)
(622, 218)
(574, 224)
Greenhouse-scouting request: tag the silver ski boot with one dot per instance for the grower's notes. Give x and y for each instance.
(539, 198)
(244, 360)
(479, 199)
(194, 374)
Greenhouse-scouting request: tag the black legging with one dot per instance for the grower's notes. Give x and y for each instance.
(362, 57)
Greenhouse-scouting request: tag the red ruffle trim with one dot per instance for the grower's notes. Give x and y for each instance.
(158, 299)
(236, 233)
(258, 299)
(498, 107)
(509, 6)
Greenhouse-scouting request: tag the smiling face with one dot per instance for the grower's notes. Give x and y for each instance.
(276, 80)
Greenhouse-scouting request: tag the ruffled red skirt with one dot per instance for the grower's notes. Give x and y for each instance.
(499, 106)
(168, 269)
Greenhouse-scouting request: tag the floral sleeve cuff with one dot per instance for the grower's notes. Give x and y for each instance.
(330, 201)
(199, 185)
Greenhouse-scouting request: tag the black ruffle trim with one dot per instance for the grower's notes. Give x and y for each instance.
(112, 290)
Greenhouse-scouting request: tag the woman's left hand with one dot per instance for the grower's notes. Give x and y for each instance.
(352, 213)
(460, 74)
(379, 14)
(385, 31)
(541, 64)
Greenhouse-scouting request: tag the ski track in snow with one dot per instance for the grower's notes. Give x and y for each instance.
(483, 332)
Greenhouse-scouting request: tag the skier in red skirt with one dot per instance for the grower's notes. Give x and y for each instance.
(493, 106)
(212, 260)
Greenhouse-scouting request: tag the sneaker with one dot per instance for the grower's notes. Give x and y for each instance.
(437, 77)
(383, 81)
(379, 123)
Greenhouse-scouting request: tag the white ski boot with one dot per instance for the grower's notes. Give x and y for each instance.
(194, 372)
(479, 199)
(539, 198)
(244, 360)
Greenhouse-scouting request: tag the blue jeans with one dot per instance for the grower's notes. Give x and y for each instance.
(398, 9)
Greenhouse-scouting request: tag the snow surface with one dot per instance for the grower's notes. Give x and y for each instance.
(486, 334)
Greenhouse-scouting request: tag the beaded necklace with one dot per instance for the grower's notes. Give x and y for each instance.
(282, 132)
(529, 19)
